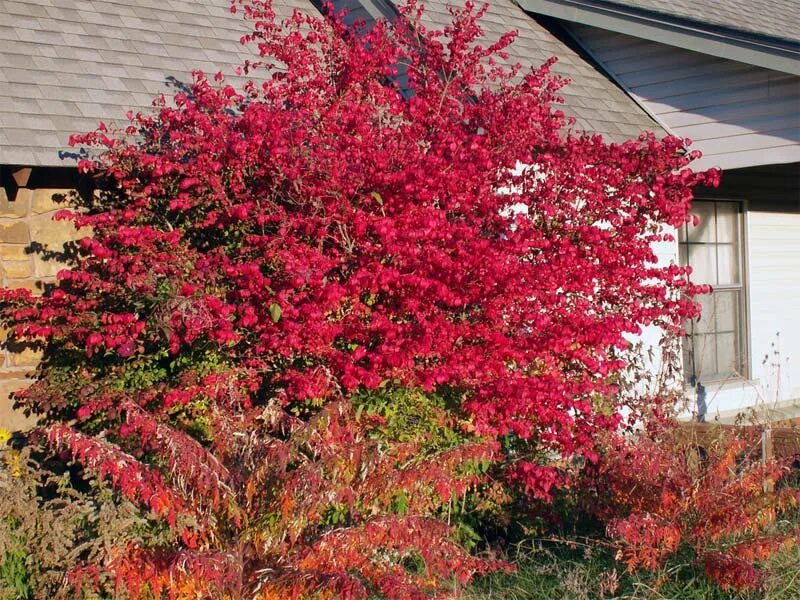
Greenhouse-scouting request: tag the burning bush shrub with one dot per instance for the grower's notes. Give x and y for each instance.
(386, 214)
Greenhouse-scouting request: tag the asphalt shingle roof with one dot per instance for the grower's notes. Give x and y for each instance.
(67, 64)
(597, 104)
(773, 18)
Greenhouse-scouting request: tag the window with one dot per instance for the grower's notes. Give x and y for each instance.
(715, 348)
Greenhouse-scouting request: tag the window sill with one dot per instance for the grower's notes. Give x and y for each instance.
(721, 385)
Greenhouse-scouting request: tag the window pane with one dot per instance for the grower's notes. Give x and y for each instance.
(716, 349)
(728, 357)
(705, 363)
(705, 322)
(688, 352)
(727, 222)
(728, 261)
(704, 232)
(726, 305)
(703, 260)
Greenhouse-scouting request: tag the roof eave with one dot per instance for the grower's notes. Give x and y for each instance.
(761, 51)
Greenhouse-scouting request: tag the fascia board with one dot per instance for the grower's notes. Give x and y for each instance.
(724, 43)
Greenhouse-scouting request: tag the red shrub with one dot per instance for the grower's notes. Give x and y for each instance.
(262, 254)
(664, 491)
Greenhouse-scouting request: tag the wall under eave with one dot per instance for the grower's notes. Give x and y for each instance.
(27, 226)
(738, 115)
(774, 278)
(771, 196)
(771, 201)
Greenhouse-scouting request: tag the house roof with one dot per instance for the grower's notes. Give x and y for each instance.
(779, 19)
(765, 33)
(597, 104)
(65, 65)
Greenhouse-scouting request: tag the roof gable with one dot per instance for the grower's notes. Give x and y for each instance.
(738, 115)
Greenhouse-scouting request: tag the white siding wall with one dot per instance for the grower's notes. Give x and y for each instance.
(774, 278)
(773, 264)
(721, 401)
(666, 253)
(738, 115)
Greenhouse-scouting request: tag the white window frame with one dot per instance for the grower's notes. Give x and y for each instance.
(741, 331)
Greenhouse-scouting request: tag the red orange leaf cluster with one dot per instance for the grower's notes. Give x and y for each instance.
(665, 490)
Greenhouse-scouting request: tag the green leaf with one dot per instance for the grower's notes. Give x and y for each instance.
(275, 312)
(401, 503)
(378, 198)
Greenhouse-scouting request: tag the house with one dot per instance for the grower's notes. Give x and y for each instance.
(67, 64)
(726, 74)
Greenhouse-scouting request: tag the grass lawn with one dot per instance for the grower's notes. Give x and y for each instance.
(585, 573)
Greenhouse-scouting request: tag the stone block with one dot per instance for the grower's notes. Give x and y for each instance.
(14, 252)
(43, 201)
(10, 418)
(46, 267)
(52, 234)
(14, 232)
(14, 375)
(17, 208)
(17, 269)
(37, 287)
(16, 381)
(27, 357)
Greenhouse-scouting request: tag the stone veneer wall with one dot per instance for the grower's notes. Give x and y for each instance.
(26, 223)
